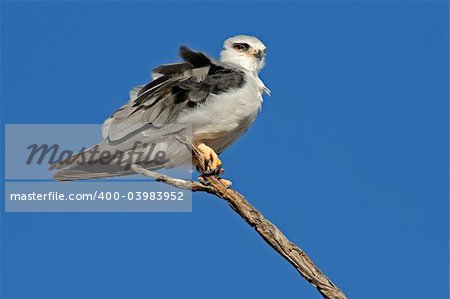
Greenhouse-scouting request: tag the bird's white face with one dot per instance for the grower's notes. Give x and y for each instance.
(246, 51)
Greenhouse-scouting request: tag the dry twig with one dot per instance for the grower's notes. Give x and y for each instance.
(269, 232)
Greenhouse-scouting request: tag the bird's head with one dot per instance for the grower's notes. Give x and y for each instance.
(245, 51)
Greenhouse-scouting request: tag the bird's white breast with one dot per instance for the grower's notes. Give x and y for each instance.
(226, 116)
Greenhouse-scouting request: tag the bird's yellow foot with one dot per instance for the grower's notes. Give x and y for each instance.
(212, 164)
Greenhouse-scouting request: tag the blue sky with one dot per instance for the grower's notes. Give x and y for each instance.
(349, 156)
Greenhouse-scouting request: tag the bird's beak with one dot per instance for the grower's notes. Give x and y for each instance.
(258, 54)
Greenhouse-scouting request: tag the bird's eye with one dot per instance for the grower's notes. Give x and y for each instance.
(241, 46)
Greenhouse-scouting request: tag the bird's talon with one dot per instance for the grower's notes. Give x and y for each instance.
(219, 170)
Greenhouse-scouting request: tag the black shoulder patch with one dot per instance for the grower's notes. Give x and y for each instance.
(224, 80)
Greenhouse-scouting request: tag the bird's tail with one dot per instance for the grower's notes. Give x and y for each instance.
(81, 167)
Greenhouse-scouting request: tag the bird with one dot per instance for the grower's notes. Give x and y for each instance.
(219, 99)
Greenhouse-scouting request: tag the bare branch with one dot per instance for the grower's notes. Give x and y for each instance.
(269, 232)
(183, 184)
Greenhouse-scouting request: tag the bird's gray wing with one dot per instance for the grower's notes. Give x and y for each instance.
(151, 112)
